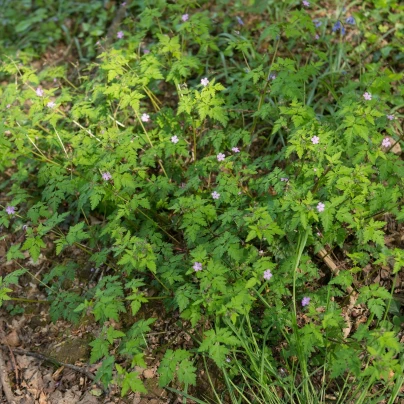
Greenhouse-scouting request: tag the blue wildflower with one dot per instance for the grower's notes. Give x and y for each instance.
(350, 20)
(317, 23)
(337, 26)
(239, 20)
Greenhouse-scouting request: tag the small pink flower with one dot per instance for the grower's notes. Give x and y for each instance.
(39, 92)
(174, 139)
(306, 3)
(123, 4)
(146, 51)
(261, 252)
(8, 105)
(185, 17)
(315, 139)
(267, 274)
(145, 118)
(386, 142)
(205, 81)
(197, 266)
(10, 209)
(215, 195)
(221, 157)
(284, 179)
(55, 80)
(235, 149)
(119, 35)
(390, 117)
(367, 96)
(320, 207)
(106, 176)
(51, 104)
(305, 301)
(317, 36)
(272, 76)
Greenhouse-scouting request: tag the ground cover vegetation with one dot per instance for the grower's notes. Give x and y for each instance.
(237, 162)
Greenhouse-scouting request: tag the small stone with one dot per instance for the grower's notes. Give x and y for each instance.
(149, 373)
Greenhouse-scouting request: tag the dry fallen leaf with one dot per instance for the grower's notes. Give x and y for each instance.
(43, 399)
(12, 339)
(58, 374)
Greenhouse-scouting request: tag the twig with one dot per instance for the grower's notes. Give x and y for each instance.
(56, 362)
(16, 370)
(5, 383)
(353, 296)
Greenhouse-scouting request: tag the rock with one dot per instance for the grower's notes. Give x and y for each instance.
(70, 351)
(149, 373)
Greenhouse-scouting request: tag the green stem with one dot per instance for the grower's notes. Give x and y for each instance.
(20, 299)
(262, 97)
(150, 142)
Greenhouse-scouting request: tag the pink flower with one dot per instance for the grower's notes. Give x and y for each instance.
(261, 252)
(367, 96)
(10, 209)
(174, 139)
(305, 301)
(267, 274)
(205, 81)
(8, 105)
(317, 36)
(51, 104)
(185, 17)
(39, 92)
(235, 149)
(106, 176)
(145, 118)
(320, 207)
(390, 117)
(315, 139)
(146, 51)
(119, 35)
(215, 195)
(197, 266)
(221, 157)
(386, 142)
(306, 3)
(123, 4)
(284, 179)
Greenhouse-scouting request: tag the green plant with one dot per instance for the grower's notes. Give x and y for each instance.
(218, 164)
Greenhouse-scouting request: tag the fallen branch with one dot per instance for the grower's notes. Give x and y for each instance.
(5, 383)
(40, 356)
(353, 296)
